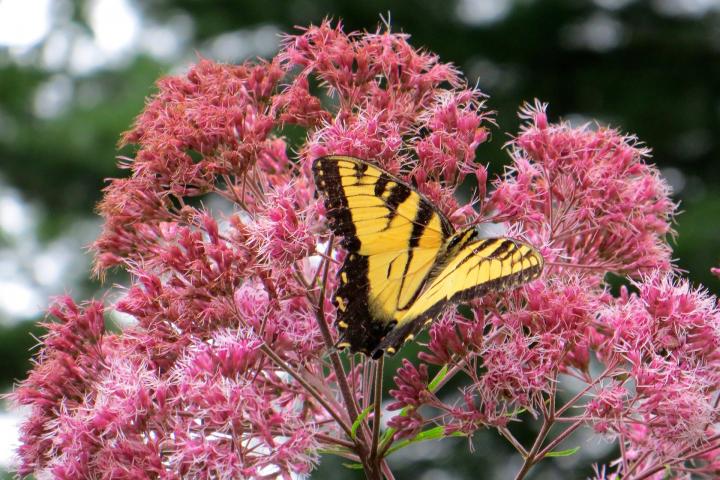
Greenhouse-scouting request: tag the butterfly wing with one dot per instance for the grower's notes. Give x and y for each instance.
(393, 236)
(472, 267)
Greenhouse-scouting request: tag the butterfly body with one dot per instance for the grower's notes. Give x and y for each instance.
(405, 261)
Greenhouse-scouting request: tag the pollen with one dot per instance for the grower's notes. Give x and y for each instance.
(342, 324)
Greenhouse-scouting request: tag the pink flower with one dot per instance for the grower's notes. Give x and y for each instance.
(607, 407)
(279, 233)
(589, 194)
(667, 335)
(451, 336)
(448, 150)
(230, 368)
(666, 316)
(411, 386)
(68, 366)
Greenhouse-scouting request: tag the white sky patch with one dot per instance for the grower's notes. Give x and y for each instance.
(115, 25)
(9, 437)
(23, 23)
(31, 270)
(578, 120)
(600, 32)
(17, 218)
(482, 12)
(50, 266)
(675, 178)
(86, 56)
(240, 45)
(686, 8)
(122, 319)
(20, 299)
(266, 40)
(9, 268)
(491, 230)
(53, 97)
(167, 41)
(56, 50)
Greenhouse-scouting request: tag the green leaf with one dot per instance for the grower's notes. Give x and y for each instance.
(363, 415)
(438, 378)
(353, 466)
(563, 453)
(432, 434)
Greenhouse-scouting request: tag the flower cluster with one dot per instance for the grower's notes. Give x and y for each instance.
(229, 367)
(589, 194)
(224, 368)
(666, 335)
(648, 360)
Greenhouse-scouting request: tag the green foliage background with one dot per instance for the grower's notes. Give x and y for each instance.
(651, 68)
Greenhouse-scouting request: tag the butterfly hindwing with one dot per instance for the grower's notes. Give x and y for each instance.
(393, 237)
(472, 268)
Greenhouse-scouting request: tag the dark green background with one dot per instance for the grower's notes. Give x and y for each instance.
(651, 68)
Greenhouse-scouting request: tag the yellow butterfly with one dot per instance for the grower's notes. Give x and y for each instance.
(405, 261)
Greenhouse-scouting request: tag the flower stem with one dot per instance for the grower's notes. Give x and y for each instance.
(378, 399)
(386, 470)
(309, 388)
(514, 441)
(587, 388)
(334, 441)
(437, 382)
(532, 456)
(557, 440)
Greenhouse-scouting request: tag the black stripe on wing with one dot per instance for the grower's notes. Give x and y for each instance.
(422, 218)
(328, 179)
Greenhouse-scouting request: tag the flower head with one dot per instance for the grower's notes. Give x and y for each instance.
(589, 194)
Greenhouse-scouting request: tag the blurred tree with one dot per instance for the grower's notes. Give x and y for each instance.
(652, 68)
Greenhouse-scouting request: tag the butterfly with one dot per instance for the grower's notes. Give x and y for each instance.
(405, 261)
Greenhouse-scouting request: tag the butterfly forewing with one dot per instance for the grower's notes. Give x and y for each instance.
(393, 236)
